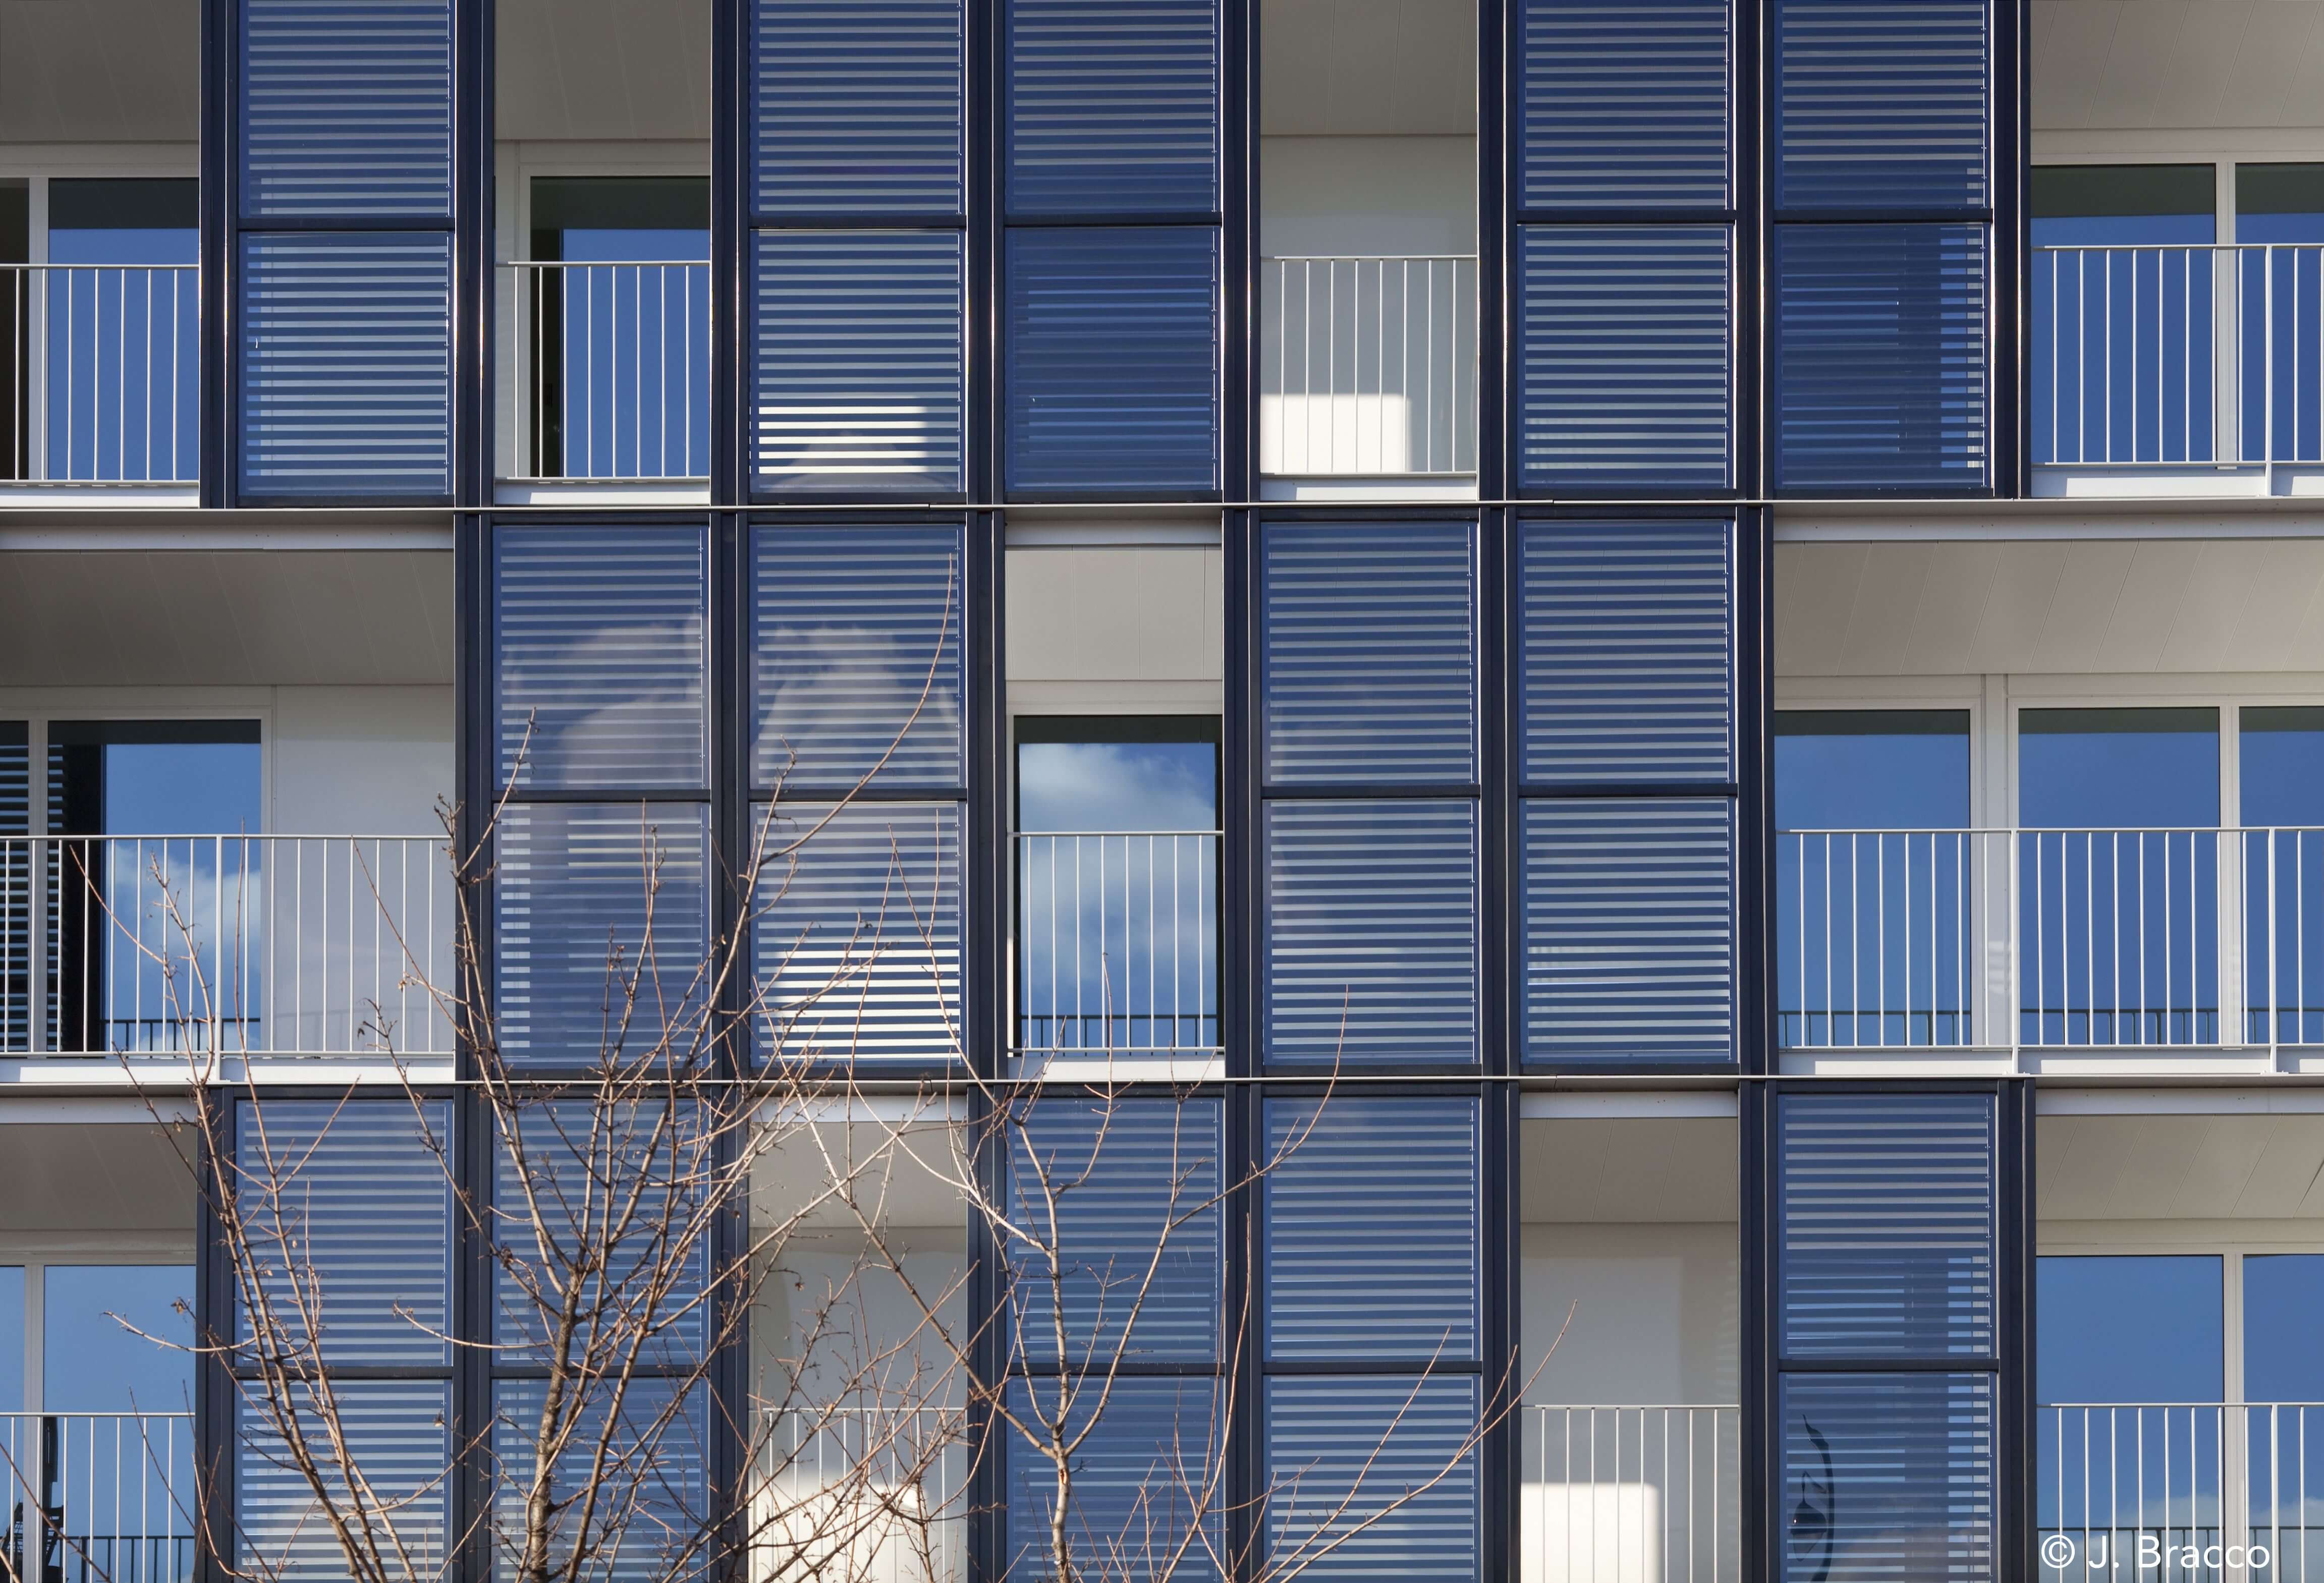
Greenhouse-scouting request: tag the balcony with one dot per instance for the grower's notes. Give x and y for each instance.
(2178, 370)
(1631, 1495)
(99, 1497)
(605, 383)
(1367, 376)
(243, 945)
(101, 396)
(878, 1493)
(2127, 1490)
(2053, 949)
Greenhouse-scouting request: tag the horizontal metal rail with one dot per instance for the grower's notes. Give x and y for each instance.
(99, 368)
(609, 369)
(234, 945)
(1631, 1495)
(99, 1497)
(1368, 366)
(871, 1495)
(1117, 943)
(2181, 1492)
(2178, 355)
(2050, 939)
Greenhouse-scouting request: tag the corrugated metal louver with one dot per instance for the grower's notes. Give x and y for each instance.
(1113, 106)
(346, 109)
(1624, 105)
(857, 108)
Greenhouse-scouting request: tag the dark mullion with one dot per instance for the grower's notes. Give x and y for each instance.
(1754, 822)
(219, 444)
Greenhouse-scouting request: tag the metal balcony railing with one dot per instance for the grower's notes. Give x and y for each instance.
(1118, 944)
(99, 368)
(2185, 356)
(607, 371)
(2181, 1493)
(234, 944)
(1367, 367)
(99, 1497)
(2033, 940)
(1631, 1495)
(871, 1495)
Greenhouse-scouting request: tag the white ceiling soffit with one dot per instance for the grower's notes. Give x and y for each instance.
(2180, 1167)
(2061, 607)
(100, 71)
(103, 1178)
(613, 69)
(225, 618)
(1367, 68)
(1633, 1169)
(2166, 64)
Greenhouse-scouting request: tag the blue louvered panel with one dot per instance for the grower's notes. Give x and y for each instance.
(346, 109)
(1628, 928)
(1626, 668)
(858, 361)
(1373, 1229)
(653, 1499)
(1130, 1189)
(599, 656)
(1368, 652)
(1113, 106)
(1376, 1476)
(1881, 104)
(15, 887)
(603, 929)
(1888, 1476)
(1371, 951)
(624, 1250)
(1112, 361)
(1886, 1215)
(858, 923)
(346, 365)
(857, 108)
(1141, 1476)
(351, 1209)
(398, 1436)
(1880, 365)
(1623, 357)
(1624, 103)
(855, 655)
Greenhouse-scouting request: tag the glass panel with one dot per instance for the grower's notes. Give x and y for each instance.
(116, 1430)
(1625, 106)
(1112, 359)
(1112, 109)
(1368, 653)
(96, 1355)
(1128, 772)
(2118, 876)
(362, 1197)
(1342, 1451)
(855, 656)
(2133, 1329)
(601, 914)
(1372, 1227)
(2280, 768)
(122, 300)
(1132, 1189)
(12, 1338)
(600, 655)
(857, 108)
(397, 1434)
(1371, 951)
(1881, 105)
(346, 365)
(1886, 1215)
(1880, 356)
(346, 109)
(1623, 356)
(2079, 206)
(1628, 928)
(1887, 1476)
(1140, 1479)
(1626, 668)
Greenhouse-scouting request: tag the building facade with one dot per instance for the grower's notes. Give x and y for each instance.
(1606, 672)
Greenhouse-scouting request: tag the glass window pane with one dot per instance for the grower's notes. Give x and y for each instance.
(2132, 1329)
(1881, 104)
(1628, 928)
(855, 656)
(1872, 769)
(2283, 1325)
(600, 655)
(1342, 1451)
(1368, 653)
(12, 1338)
(1626, 666)
(601, 914)
(397, 1433)
(856, 107)
(2077, 206)
(1624, 106)
(95, 1352)
(1887, 1476)
(1131, 1190)
(1112, 109)
(122, 304)
(1372, 1227)
(2279, 765)
(1370, 932)
(858, 931)
(2118, 768)
(346, 109)
(1886, 1215)
(2280, 203)
(1128, 772)
(1139, 1478)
